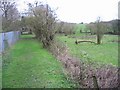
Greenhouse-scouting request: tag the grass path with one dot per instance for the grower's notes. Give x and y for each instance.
(28, 65)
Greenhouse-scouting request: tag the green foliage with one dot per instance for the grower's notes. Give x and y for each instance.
(81, 28)
(28, 65)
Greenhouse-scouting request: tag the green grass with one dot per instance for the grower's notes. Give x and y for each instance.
(106, 53)
(79, 27)
(28, 65)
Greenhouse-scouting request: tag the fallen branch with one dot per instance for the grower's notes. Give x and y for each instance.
(83, 41)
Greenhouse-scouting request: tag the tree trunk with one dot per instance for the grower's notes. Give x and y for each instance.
(98, 39)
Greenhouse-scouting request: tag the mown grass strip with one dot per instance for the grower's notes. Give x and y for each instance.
(28, 65)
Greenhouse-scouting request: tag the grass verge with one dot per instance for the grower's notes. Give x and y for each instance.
(28, 65)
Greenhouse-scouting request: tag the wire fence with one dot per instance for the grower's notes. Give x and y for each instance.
(7, 39)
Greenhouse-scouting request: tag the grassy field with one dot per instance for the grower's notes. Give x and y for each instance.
(106, 53)
(79, 27)
(28, 65)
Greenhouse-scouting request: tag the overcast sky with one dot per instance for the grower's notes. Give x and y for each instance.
(77, 11)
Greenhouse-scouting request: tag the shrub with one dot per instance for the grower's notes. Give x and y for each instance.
(42, 21)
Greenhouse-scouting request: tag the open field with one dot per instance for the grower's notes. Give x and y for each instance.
(106, 53)
(28, 65)
(79, 27)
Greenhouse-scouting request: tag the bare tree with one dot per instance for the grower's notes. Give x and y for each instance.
(10, 15)
(98, 28)
(100, 32)
(99, 36)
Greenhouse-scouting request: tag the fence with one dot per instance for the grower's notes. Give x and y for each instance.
(7, 39)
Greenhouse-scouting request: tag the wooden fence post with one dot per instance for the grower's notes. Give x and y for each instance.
(95, 83)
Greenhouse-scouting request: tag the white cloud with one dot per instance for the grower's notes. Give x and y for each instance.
(83, 10)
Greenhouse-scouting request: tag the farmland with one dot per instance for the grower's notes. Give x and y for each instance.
(49, 52)
(105, 53)
(28, 64)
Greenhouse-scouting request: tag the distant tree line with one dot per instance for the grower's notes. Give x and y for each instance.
(100, 28)
(115, 26)
(65, 28)
(110, 27)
